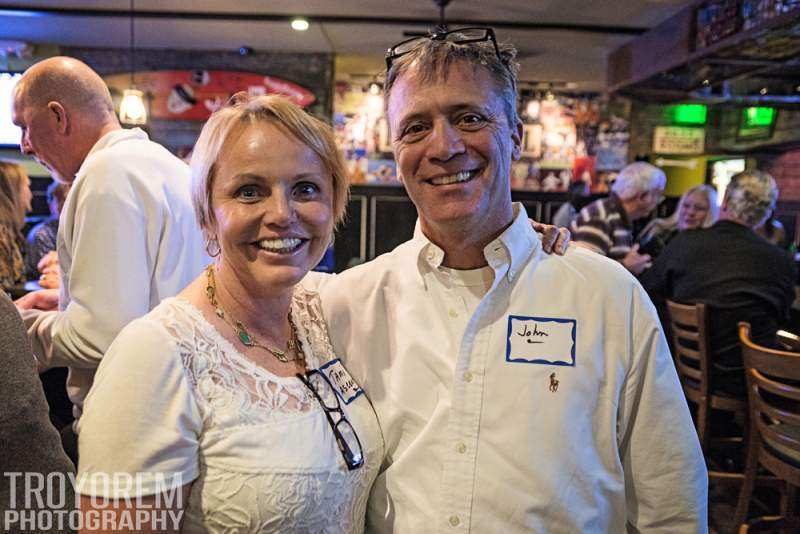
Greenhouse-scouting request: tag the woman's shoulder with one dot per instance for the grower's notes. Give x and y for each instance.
(150, 338)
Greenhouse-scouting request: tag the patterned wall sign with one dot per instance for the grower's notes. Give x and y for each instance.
(195, 94)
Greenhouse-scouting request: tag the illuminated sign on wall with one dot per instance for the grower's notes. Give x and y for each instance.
(758, 117)
(689, 114)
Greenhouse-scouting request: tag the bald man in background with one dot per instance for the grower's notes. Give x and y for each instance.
(127, 236)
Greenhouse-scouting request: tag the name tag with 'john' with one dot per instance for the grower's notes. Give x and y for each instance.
(343, 384)
(541, 340)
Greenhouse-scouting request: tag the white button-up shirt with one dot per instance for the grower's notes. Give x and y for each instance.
(487, 430)
(127, 238)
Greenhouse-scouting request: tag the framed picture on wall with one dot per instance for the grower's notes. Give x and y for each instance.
(532, 140)
(384, 143)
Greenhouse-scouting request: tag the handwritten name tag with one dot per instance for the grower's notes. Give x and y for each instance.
(343, 384)
(542, 340)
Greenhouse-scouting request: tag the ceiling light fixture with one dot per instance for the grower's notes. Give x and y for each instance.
(299, 24)
(763, 90)
(132, 109)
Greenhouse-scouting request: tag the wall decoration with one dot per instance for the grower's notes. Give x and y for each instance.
(532, 141)
(195, 94)
(678, 140)
(564, 139)
(362, 132)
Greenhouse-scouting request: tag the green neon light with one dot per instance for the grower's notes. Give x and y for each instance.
(690, 113)
(755, 117)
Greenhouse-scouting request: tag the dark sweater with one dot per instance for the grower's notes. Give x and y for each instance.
(738, 274)
(28, 442)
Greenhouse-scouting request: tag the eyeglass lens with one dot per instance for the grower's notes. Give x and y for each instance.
(324, 390)
(348, 435)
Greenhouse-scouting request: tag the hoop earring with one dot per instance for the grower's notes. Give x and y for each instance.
(212, 243)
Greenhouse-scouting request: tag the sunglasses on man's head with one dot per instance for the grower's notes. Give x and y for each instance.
(460, 36)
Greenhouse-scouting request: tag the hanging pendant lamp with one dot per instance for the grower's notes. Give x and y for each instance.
(132, 109)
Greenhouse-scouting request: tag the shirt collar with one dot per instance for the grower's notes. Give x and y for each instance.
(513, 247)
(110, 139)
(116, 136)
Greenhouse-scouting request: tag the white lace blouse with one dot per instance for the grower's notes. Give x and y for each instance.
(172, 396)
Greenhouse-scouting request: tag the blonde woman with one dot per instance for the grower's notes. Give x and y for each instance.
(231, 390)
(15, 201)
(697, 208)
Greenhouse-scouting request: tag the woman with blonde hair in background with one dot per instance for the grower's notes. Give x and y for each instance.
(15, 201)
(697, 208)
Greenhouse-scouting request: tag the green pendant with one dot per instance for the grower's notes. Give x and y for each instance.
(245, 337)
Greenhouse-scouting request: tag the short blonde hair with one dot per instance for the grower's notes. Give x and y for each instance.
(243, 111)
(12, 176)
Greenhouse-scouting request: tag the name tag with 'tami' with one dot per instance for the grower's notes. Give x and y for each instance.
(541, 340)
(343, 384)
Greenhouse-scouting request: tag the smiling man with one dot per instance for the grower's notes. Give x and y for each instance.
(514, 391)
(127, 237)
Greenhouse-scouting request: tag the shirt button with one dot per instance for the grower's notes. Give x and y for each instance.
(467, 377)
(461, 448)
(454, 520)
(452, 313)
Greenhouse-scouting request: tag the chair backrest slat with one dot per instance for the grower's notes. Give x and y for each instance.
(688, 323)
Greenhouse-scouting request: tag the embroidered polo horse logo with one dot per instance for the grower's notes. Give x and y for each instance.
(553, 383)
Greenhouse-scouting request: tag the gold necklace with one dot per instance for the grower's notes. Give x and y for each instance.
(248, 339)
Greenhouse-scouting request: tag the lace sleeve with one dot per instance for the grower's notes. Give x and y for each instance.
(310, 322)
(139, 416)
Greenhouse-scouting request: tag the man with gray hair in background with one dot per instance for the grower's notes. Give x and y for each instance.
(606, 225)
(127, 237)
(741, 276)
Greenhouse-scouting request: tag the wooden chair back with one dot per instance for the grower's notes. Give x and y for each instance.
(773, 387)
(688, 324)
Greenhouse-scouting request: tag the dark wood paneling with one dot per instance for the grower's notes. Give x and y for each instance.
(380, 218)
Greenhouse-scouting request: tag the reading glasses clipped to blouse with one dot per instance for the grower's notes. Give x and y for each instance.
(346, 437)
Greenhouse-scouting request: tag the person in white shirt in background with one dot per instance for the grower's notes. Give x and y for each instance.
(517, 391)
(128, 237)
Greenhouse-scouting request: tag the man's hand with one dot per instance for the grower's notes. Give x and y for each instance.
(44, 299)
(51, 277)
(48, 260)
(554, 239)
(635, 262)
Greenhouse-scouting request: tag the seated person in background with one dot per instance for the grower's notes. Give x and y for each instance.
(606, 225)
(28, 442)
(773, 231)
(697, 208)
(15, 201)
(42, 237)
(578, 196)
(733, 270)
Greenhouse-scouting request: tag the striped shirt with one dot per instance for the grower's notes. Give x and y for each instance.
(604, 227)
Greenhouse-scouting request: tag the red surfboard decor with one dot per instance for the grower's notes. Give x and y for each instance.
(195, 94)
